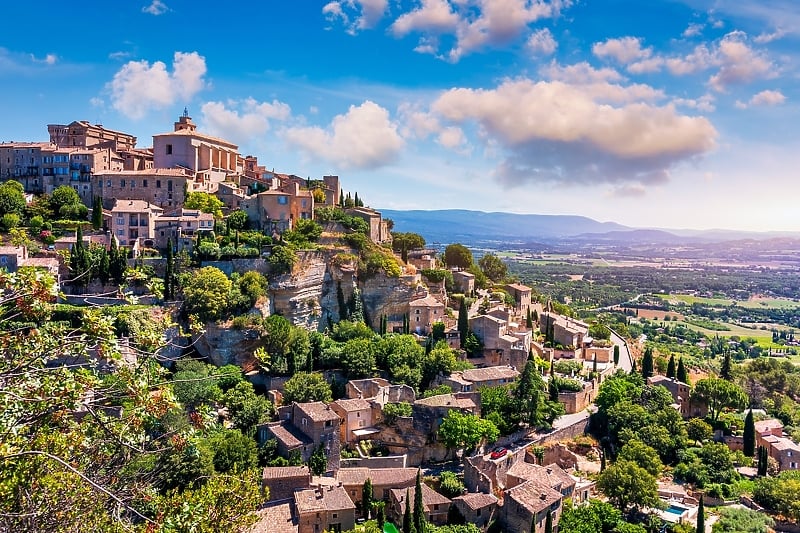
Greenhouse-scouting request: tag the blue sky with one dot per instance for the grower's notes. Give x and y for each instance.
(652, 114)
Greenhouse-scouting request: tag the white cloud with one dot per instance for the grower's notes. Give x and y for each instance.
(156, 7)
(452, 137)
(693, 30)
(580, 73)
(240, 121)
(557, 131)
(436, 16)
(541, 42)
(700, 59)
(764, 98)
(140, 86)
(49, 59)
(363, 138)
(119, 55)
(624, 50)
(705, 103)
(651, 64)
(355, 15)
(765, 38)
(739, 63)
(416, 123)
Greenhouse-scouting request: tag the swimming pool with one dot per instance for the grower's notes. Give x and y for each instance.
(676, 509)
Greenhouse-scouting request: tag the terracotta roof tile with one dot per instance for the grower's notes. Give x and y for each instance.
(477, 500)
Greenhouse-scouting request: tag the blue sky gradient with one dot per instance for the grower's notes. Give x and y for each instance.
(651, 114)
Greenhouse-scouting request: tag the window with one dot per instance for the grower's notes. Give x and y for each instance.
(169, 149)
(133, 184)
(120, 221)
(435, 506)
(416, 312)
(144, 183)
(478, 512)
(158, 184)
(121, 232)
(283, 200)
(121, 183)
(108, 183)
(417, 319)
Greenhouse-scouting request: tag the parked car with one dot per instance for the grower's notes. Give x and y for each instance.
(497, 453)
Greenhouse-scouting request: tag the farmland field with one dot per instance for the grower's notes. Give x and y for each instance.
(752, 303)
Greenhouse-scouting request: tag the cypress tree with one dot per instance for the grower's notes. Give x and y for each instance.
(701, 516)
(602, 459)
(616, 354)
(97, 213)
(104, 269)
(341, 198)
(548, 523)
(552, 367)
(380, 515)
(529, 320)
(594, 364)
(552, 389)
(463, 321)
(647, 363)
(407, 514)
(366, 498)
(762, 461)
(725, 368)
(681, 373)
(749, 435)
(671, 370)
(419, 509)
(535, 316)
(169, 274)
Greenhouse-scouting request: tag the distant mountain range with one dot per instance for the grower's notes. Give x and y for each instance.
(477, 227)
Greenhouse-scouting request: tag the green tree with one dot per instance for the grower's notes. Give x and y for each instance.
(779, 493)
(749, 437)
(366, 498)
(699, 430)
(318, 461)
(403, 242)
(237, 220)
(97, 213)
(458, 255)
(419, 508)
(358, 358)
(548, 523)
(245, 407)
(450, 485)
(205, 202)
(643, 455)
(233, 451)
(719, 394)
(742, 520)
(725, 368)
(627, 484)
(12, 198)
(253, 285)
(647, 363)
(463, 430)
(616, 354)
(207, 293)
(307, 387)
(529, 395)
(671, 370)
(440, 360)
(701, 516)
(169, 273)
(683, 375)
(282, 259)
(193, 384)
(595, 517)
(407, 522)
(493, 267)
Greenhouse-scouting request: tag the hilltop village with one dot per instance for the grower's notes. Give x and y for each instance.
(199, 317)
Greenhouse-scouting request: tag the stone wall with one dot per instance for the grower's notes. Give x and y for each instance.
(392, 461)
(298, 296)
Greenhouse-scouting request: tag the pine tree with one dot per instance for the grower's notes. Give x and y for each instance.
(647, 363)
(701, 516)
(419, 509)
(749, 435)
(535, 316)
(671, 366)
(681, 373)
(725, 368)
(407, 513)
(97, 213)
(548, 523)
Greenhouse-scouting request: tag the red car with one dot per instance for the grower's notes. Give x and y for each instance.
(497, 453)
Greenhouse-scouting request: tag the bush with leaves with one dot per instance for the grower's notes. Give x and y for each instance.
(246, 408)
(307, 387)
(207, 293)
(450, 485)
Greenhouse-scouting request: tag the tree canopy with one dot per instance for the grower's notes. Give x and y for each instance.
(719, 394)
(307, 387)
(458, 255)
(494, 267)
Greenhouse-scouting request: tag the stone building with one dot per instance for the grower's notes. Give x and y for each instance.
(357, 418)
(528, 503)
(423, 313)
(305, 427)
(162, 187)
(477, 508)
(474, 379)
(81, 133)
(324, 508)
(436, 506)
(383, 480)
(283, 481)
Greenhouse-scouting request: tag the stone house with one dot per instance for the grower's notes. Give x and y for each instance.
(428, 413)
(522, 297)
(379, 390)
(383, 480)
(357, 418)
(11, 257)
(769, 434)
(133, 221)
(502, 344)
(552, 476)
(162, 187)
(423, 313)
(681, 394)
(275, 517)
(436, 506)
(182, 227)
(477, 508)
(81, 133)
(575, 402)
(464, 281)
(324, 508)
(305, 427)
(473, 379)
(566, 331)
(378, 230)
(283, 481)
(529, 503)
